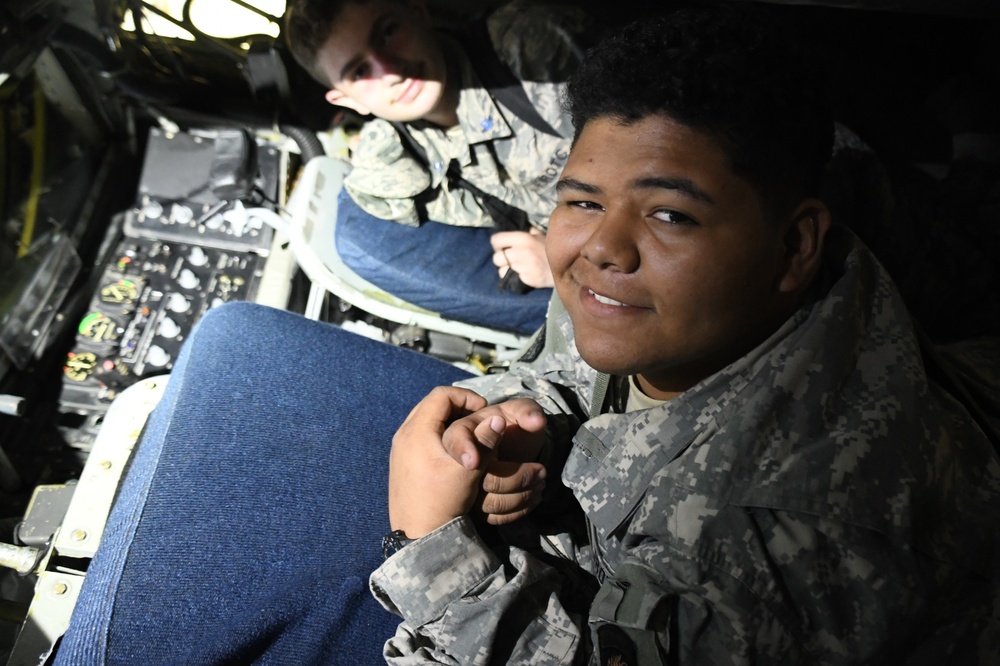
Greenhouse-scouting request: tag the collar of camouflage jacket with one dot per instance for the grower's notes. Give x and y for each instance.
(479, 115)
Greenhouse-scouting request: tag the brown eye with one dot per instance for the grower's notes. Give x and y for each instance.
(360, 72)
(673, 217)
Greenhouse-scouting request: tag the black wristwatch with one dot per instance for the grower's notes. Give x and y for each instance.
(393, 542)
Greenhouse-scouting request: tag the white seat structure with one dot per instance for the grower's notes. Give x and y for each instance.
(313, 211)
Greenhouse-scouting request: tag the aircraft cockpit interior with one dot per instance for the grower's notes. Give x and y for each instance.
(161, 157)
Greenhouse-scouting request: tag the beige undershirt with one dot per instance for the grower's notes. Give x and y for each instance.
(637, 399)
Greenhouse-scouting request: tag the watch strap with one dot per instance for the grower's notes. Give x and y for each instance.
(393, 542)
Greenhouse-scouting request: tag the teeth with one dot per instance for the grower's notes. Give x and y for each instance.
(605, 299)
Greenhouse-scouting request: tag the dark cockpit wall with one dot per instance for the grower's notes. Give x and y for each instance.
(917, 82)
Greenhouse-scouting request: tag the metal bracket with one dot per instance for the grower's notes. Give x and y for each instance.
(58, 588)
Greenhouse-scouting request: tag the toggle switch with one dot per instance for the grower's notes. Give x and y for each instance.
(197, 256)
(177, 303)
(157, 356)
(168, 328)
(188, 280)
(182, 214)
(152, 210)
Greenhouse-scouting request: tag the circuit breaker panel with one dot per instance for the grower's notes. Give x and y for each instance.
(190, 243)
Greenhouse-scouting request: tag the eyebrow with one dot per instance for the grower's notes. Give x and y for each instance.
(350, 65)
(683, 185)
(377, 27)
(576, 185)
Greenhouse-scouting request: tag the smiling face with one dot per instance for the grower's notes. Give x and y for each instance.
(663, 256)
(383, 58)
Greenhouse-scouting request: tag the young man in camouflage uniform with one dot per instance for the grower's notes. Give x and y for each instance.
(730, 388)
(441, 117)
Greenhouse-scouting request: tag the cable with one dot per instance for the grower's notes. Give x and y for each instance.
(37, 172)
(265, 215)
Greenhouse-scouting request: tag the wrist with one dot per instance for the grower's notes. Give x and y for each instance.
(415, 529)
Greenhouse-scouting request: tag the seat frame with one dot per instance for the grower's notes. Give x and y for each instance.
(312, 208)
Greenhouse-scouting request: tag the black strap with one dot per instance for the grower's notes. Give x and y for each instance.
(505, 216)
(497, 77)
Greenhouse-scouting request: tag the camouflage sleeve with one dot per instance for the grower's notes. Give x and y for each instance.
(549, 370)
(461, 606)
(384, 179)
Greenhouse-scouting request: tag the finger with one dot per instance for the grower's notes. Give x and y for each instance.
(510, 503)
(490, 430)
(525, 412)
(503, 477)
(505, 509)
(468, 438)
(445, 404)
(503, 239)
(427, 422)
(500, 258)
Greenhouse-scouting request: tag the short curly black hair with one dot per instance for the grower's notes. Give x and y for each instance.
(729, 71)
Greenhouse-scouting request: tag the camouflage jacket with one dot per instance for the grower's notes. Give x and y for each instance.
(497, 151)
(815, 502)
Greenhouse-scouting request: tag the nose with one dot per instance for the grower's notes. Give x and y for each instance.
(613, 242)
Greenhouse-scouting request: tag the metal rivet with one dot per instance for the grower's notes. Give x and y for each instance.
(78, 535)
(106, 464)
(60, 588)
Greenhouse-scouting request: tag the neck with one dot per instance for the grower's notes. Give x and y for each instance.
(445, 114)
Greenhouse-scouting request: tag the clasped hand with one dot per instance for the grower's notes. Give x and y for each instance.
(454, 454)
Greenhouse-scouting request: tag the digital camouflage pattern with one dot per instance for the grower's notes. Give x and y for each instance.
(497, 151)
(815, 502)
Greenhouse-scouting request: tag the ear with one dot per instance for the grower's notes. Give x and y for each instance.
(807, 228)
(334, 96)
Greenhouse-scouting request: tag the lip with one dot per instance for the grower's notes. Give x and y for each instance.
(410, 92)
(596, 302)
